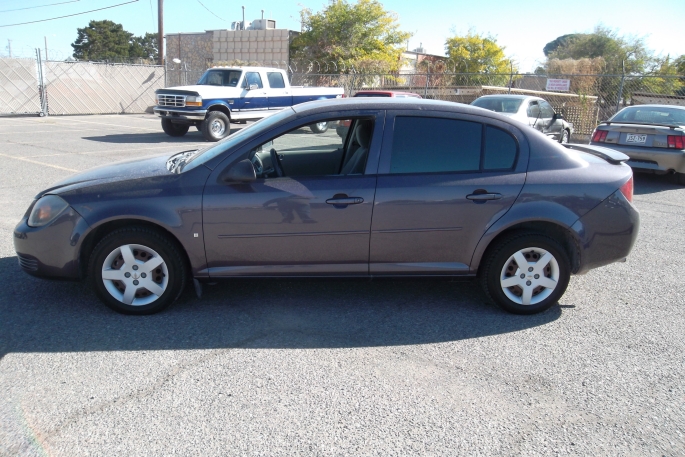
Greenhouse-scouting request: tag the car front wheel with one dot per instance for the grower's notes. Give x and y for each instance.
(137, 271)
(526, 273)
(216, 126)
(319, 127)
(565, 136)
(172, 129)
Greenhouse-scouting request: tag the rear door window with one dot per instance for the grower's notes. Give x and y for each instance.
(275, 80)
(430, 145)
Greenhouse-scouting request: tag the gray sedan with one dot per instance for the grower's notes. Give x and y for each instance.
(653, 136)
(534, 111)
(415, 188)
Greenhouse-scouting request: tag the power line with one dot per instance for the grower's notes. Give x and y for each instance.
(69, 15)
(210, 11)
(39, 6)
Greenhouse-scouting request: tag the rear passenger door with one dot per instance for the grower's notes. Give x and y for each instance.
(442, 182)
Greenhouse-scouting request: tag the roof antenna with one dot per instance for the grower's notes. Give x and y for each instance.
(262, 15)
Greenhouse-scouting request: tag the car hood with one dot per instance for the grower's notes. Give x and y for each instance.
(207, 91)
(123, 171)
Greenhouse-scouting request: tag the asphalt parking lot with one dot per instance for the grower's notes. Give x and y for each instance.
(332, 367)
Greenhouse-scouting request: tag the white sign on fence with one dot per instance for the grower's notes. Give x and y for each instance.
(559, 85)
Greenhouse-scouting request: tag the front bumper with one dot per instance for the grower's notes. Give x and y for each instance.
(659, 160)
(607, 233)
(179, 114)
(52, 250)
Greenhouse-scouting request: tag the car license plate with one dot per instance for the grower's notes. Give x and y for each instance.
(633, 138)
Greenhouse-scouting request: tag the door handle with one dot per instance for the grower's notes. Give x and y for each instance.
(484, 196)
(341, 201)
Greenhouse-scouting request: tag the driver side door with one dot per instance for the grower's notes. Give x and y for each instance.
(312, 220)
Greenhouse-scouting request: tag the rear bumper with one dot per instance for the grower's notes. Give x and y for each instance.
(180, 115)
(51, 251)
(660, 160)
(607, 233)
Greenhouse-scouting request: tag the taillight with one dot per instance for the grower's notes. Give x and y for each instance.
(627, 189)
(600, 136)
(676, 141)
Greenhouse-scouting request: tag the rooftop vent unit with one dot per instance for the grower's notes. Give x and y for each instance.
(262, 24)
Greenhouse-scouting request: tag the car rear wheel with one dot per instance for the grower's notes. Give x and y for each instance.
(216, 126)
(137, 271)
(680, 177)
(172, 129)
(526, 273)
(319, 127)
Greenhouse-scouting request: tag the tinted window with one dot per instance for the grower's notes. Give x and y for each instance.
(547, 110)
(220, 78)
(253, 78)
(498, 104)
(500, 149)
(276, 80)
(372, 95)
(533, 110)
(425, 144)
(651, 115)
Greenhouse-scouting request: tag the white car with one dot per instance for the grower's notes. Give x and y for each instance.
(534, 111)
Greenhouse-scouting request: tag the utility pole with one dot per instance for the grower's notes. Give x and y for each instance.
(9, 46)
(46, 47)
(160, 31)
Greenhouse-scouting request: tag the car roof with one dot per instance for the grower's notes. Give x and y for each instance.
(413, 104)
(511, 96)
(655, 105)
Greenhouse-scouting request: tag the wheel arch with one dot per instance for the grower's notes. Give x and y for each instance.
(98, 233)
(219, 107)
(562, 234)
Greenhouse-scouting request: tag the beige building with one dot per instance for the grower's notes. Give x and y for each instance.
(190, 54)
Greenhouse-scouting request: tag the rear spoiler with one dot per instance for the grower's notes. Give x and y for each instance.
(611, 156)
(670, 126)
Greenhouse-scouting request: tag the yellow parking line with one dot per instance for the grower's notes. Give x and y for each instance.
(117, 125)
(110, 150)
(40, 163)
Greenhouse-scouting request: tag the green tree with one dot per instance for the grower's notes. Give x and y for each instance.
(620, 54)
(560, 41)
(144, 46)
(475, 53)
(105, 40)
(362, 35)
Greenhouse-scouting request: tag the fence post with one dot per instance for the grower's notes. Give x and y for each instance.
(41, 85)
(620, 89)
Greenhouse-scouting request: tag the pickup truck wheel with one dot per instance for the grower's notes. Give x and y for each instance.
(319, 127)
(172, 129)
(216, 126)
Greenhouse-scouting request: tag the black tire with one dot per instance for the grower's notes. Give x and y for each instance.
(565, 136)
(533, 247)
(216, 126)
(680, 178)
(143, 243)
(172, 129)
(319, 127)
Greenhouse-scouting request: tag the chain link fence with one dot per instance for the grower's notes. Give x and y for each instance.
(32, 86)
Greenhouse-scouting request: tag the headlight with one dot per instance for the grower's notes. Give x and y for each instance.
(46, 210)
(193, 100)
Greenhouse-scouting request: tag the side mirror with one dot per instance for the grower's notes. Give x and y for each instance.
(241, 172)
(558, 116)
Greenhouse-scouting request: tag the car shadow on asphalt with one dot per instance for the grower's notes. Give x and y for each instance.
(648, 183)
(192, 136)
(39, 315)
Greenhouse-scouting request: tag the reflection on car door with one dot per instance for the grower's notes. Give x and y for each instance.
(535, 115)
(292, 225)
(546, 117)
(440, 186)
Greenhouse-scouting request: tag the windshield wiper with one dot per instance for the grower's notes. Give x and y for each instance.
(177, 161)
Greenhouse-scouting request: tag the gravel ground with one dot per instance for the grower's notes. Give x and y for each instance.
(332, 367)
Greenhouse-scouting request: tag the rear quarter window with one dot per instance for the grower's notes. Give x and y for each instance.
(500, 149)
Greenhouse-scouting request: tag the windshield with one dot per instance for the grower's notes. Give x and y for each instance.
(208, 153)
(498, 104)
(651, 115)
(228, 78)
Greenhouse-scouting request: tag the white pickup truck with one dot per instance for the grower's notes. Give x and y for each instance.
(232, 94)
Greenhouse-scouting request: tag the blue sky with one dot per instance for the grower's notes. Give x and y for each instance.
(523, 27)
